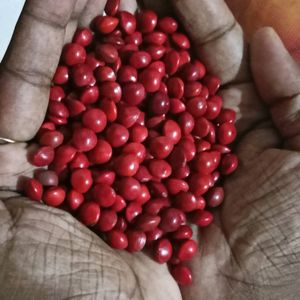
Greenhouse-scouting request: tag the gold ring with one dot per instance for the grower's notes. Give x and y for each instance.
(5, 140)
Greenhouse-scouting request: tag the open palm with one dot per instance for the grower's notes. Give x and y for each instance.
(252, 250)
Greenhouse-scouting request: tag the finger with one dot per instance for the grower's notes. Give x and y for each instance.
(277, 77)
(217, 37)
(92, 9)
(29, 64)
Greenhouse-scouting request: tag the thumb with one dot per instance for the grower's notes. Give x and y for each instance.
(277, 78)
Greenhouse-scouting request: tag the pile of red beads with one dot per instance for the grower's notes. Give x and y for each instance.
(135, 137)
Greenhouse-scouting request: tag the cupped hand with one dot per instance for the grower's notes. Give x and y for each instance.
(250, 252)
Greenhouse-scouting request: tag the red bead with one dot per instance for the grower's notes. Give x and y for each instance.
(159, 104)
(110, 109)
(143, 175)
(192, 89)
(136, 240)
(133, 93)
(81, 180)
(84, 139)
(110, 90)
(161, 146)
(138, 133)
(56, 93)
(74, 199)
(156, 51)
(134, 38)
(127, 74)
(202, 127)
(147, 222)
(158, 189)
(73, 54)
(196, 106)
(226, 133)
(144, 195)
(101, 153)
(75, 107)
(172, 60)
(184, 57)
(186, 122)
(47, 178)
(206, 162)
(121, 224)
(158, 66)
(172, 130)
(190, 72)
(51, 138)
(107, 220)
(117, 135)
(176, 106)
(107, 52)
(94, 119)
(185, 201)
(182, 275)
(187, 250)
(153, 235)
(180, 40)
(147, 20)
(182, 233)
(176, 186)
(129, 188)
(154, 206)
(117, 239)
(61, 75)
(136, 149)
(112, 7)
(92, 61)
(58, 109)
(42, 156)
(104, 176)
(160, 168)
(201, 218)
(140, 59)
(201, 69)
(170, 219)
(89, 95)
(151, 79)
(105, 24)
(33, 189)
(103, 194)
(182, 172)
(188, 148)
(105, 73)
(119, 204)
(82, 75)
(132, 211)
(126, 165)
(128, 115)
(64, 154)
(175, 87)
(203, 145)
(167, 25)
(83, 36)
(155, 37)
(213, 83)
(127, 22)
(89, 213)
(229, 163)
(162, 251)
(215, 196)
(199, 184)
(226, 115)
(54, 196)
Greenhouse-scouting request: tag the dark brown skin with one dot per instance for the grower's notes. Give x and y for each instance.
(252, 251)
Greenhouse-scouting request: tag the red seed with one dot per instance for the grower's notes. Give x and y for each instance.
(182, 275)
(226, 133)
(103, 194)
(64, 154)
(143, 174)
(136, 240)
(132, 211)
(185, 201)
(151, 79)
(33, 189)
(160, 168)
(153, 235)
(42, 156)
(119, 204)
(159, 104)
(104, 176)
(180, 40)
(196, 106)
(192, 89)
(161, 146)
(105, 24)
(73, 54)
(81, 180)
(134, 38)
(188, 148)
(170, 219)
(156, 51)
(229, 163)
(121, 224)
(201, 218)
(84, 139)
(105, 73)
(82, 75)
(147, 222)
(129, 188)
(89, 95)
(58, 109)
(140, 59)
(186, 122)
(117, 135)
(226, 115)
(187, 250)
(75, 107)
(110, 90)
(110, 109)
(212, 83)
(147, 20)
(182, 172)
(182, 233)
(54, 196)
(184, 57)
(74, 199)
(158, 189)
(101, 153)
(199, 184)
(127, 22)
(215, 196)
(155, 37)
(107, 220)
(89, 213)
(94, 119)
(176, 186)
(128, 115)
(154, 206)
(83, 36)
(106, 52)
(172, 60)
(126, 165)
(162, 251)
(138, 133)
(158, 66)
(56, 93)
(206, 162)
(172, 130)
(136, 149)
(133, 93)
(51, 138)
(144, 195)
(117, 239)
(61, 75)
(176, 106)
(167, 25)
(127, 74)
(112, 7)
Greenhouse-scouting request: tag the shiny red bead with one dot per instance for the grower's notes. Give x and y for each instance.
(176, 186)
(101, 153)
(107, 52)
(155, 37)
(126, 165)
(132, 211)
(153, 235)
(94, 119)
(81, 180)
(226, 133)
(74, 199)
(215, 196)
(187, 250)
(167, 25)
(58, 109)
(75, 107)
(182, 233)
(172, 60)
(185, 201)
(89, 213)
(83, 36)
(186, 122)
(160, 168)
(56, 93)
(151, 79)
(104, 176)
(89, 95)
(51, 138)
(176, 106)
(196, 106)
(128, 115)
(42, 156)
(119, 204)
(105, 24)
(117, 135)
(162, 251)
(133, 93)
(229, 163)
(112, 7)
(127, 74)
(103, 194)
(105, 73)
(129, 188)
(84, 139)
(127, 22)
(172, 130)
(121, 224)
(147, 20)
(61, 75)
(213, 83)
(159, 104)
(107, 221)
(33, 189)
(143, 174)
(201, 218)
(110, 109)
(134, 38)
(73, 54)
(170, 219)
(117, 239)
(182, 275)
(136, 240)
(144, 195)
(54, 196)
(110, 90)
(206, 162)
(161, 146)
(138, 133)
(180, 40)
(147, 222)
(192, 89)
(199, 184)
(140, 59)
(136, 149)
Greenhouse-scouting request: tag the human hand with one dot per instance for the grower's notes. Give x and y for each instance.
(49, 255)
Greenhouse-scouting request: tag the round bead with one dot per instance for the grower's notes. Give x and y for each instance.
(160, 168)
(110, 109)
(161, 146)
(136, 149)
(229, 163)
(226, 133)
(105, 73)
(74, 199)
(167, 25)
(182, 233)
(172, 130)
(107, 220)
(176, 186)
(162, 251)
(82, 75)
(139, 59)
(180, 40)
(215, 196)
(136, 240)
(73, 54)
(154, 206)
(172, 60)
(117, 135)
(89, 213)
(199, 184)
(105, 24)
(104, 176)
(83, 36)
(33, 189)
(151, 80)
(133, 93)
(103, 194)
(54, 196)
(138, 133)
(182, 275)
(147, 222)
(42, 156)
(132, 211)
(128, 115)
(185, 201)
(186, 122)
(81, 180)
(127, 74)
(159, 104)
(84, 139)
(129, 188)
(170, 220)
(127, 22)
(117, 239)
(94, 119)
(202, 218)
(187, 250)
(112, 7)
(126, 165)
(110, 90)
(61, 75)
(101, 153)
(147, 20)
(51, 138)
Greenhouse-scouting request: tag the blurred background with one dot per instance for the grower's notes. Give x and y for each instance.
(283, 15)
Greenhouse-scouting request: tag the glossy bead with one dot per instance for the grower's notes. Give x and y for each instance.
(151, 80)
(136, 240)
(58, 109)
(144, 195)
(82, 75)
(111, 90)
(186, 122)
(105, 24)
(42, 156)
(140, 59)
(54, 196)
(182, 275)
(133, 209)
(187, 250)
(172, 130)
(129, 188)
(117, 135)
(147, 222)
(64, 154)
(202, 218)
(156, 51)
(119, 204)
(47, 178)
(143, 174)
(92, 61)
(104, 176)
(117, 239)
(126, 165)
(33, 189)
(158, 189)
(107, 52)
(158, 66)
(214, 105)
(61, 75)
(190, 72)
(154, 206)
(167, 25)
(121, 224)
(112, 7)
(75, 107)
(196, 106)
(134, 38)
(160, 168)
(89, 95)
(105, 73)
(172, 60)
(175, 87)
(74, 199)
(83, 36)
(127, 74)
(188, 148)
(107, 220)
(215, 196)
(161, 146)
(185, 201)
(155, 37)
(202, 146)
(180, 40)
(153, 235)
(192, 89)
(147, 20)
(182, 233)
(73, 54)
(162, 251)
(226, 115)
(136, 149)
(128, 115)
(110, 109)
(213, 83)
(176, 186)
(159, 104)
(211, 137)
(101, 153)
(56, 93)
(138, 133)
(229, 163)
(199, 184)
(127, 22)
(170, 220)
(226, 133)
(182, 172)
(89, 213)
(94, 119)
(184, 57)
(176, 106)
(81, 180)
(133, 93)
(103, 194)
(51, 138)
(202, 127)
(206, 162)
(84, 139)
(200, 67)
